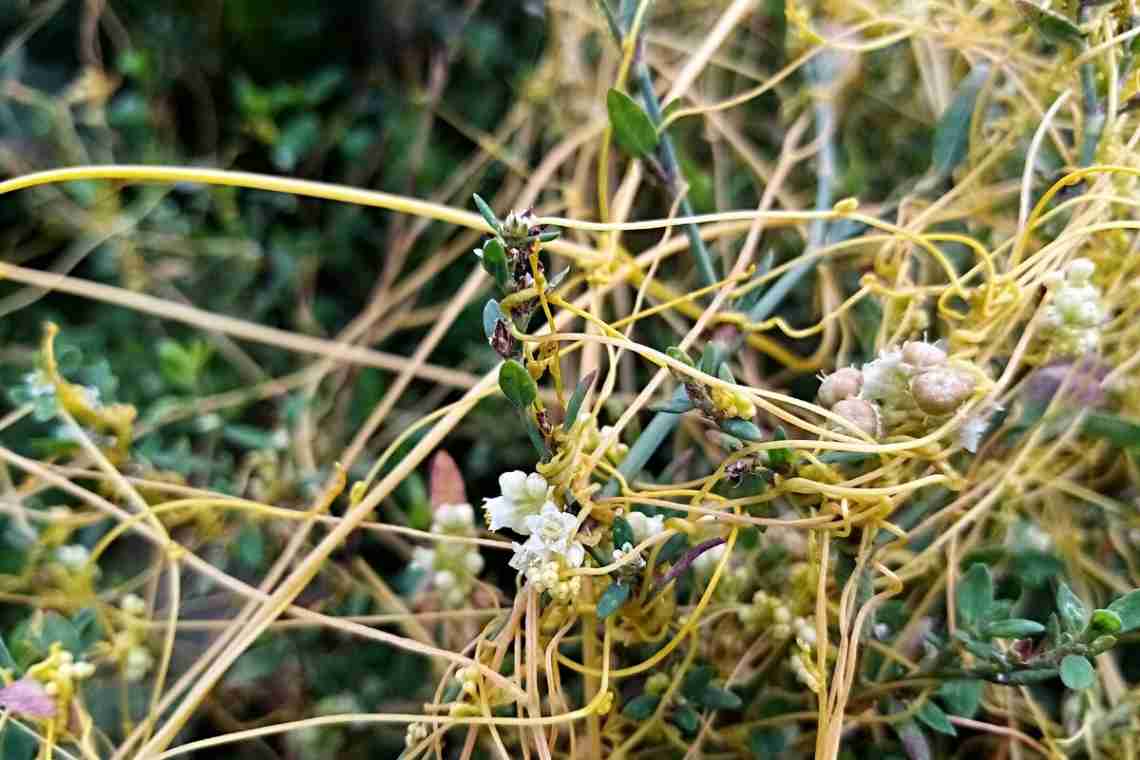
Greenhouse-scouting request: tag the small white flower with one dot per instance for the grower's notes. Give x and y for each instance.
(708, 560)
(552, 531)
(444, 579)
(972, 430)
(138, 664)
(627, 548)
(453, 518)
(132, 604)
(72, 556)
(885, 378)
(645, 526)
(423, 558)
(473, 562)
(523, 496)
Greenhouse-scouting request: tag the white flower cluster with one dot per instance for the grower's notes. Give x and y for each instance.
(644, 526)
(451, 566)
(900, 385)
(71, 670)
(527, 507)
(1074, 315)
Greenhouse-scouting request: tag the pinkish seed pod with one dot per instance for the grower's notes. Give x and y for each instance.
(861, 413)
(841, 384)
(941, 391)
(921, 355)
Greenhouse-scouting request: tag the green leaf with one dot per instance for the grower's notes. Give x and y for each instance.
(1072, 610)
(1051, 24)
(623, 533)
(975, 595)
(642, 707)
(632, 126)
(517, 384)
(577, 398)
(1117, 430)
(962, 697)
(17, 744)
(488, 215)
(673, 548)
(1104, 622)
(6, 660)
(952, 135)
(914, 740)
(933, 716)
(1127, 608)
(779, 457)
(674, 405)
(742, 429)
(492, 315)
(297, 138)
(696, 681)
(766, 743)
(711, 358)
(716, 698)
(1015, 628)
(494, 260)
(1037, 675)
(686, 719)
(250, 546)
(1077, 672)
(612, 599)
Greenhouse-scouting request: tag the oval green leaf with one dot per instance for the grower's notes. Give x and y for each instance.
(633, 129)
(1077, 672)
(517, 384)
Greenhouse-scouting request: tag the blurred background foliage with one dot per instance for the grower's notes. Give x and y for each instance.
(393, 95)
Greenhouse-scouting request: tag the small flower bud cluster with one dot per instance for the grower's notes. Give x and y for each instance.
(1074, 314)
(728, 404)
(767, 612)
(802, 659)
(900, 385)
(451, 566)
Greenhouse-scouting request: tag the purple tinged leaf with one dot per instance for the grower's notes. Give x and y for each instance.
(27, 697)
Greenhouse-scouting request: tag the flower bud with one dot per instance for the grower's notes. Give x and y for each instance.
(941, 391)
(861, 413)
(921, 355)
(842, 384)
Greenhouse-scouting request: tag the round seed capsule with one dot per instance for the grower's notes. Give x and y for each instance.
(841, 384)
(941, 391)
(861, 413)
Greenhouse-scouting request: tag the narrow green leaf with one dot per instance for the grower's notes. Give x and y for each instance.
(962, 697)
(1127, 608)
(642, 707)
(6, 660)
(1119, 431)
(1037, 675)
(1077, 672)
(517, 384)
(711, 358)
(488, 215)
(1072, 610)
(1104, 622)
(686, 719)
(674, 405)
(622, 533)
(494, 260)
(975, 595)
(612, 599)
(952, 135)
(576, 399)
(1052, 25)
(632, 126)
(725, 374)
(1015, 628)
(933, 716)
(716, 698)
(742, 429)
